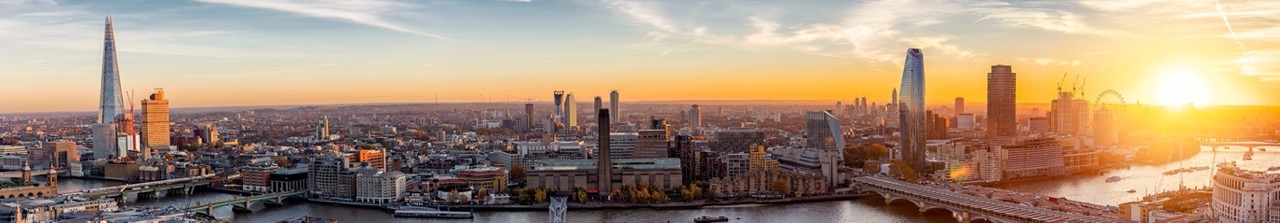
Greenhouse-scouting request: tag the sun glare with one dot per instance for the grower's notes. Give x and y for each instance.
(1179, 87)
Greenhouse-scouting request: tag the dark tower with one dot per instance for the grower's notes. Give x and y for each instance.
(605, 166)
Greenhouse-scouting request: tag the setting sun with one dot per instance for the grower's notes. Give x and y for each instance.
(1180, 87)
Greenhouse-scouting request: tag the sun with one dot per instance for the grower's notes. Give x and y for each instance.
(1180, 87)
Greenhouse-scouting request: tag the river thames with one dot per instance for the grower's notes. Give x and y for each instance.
(1083, 187)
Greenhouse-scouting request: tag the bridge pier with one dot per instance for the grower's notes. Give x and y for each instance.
(128, 198)
(209, 210)
(963, 217)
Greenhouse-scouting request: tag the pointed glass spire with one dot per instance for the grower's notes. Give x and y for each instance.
(111, 102)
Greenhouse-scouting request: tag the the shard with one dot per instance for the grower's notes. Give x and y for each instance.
(110, 107)
(911, 111)
(111, 102)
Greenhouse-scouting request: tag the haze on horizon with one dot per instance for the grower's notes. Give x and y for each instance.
(212, 53)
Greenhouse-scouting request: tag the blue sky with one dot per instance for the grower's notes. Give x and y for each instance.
(260, 52)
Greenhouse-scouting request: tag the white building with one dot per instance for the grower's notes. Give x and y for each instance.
(377, 187)
(1245, 196)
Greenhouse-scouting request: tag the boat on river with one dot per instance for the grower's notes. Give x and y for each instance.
(705, 219)
(432, 213)
(1113, 179)
(1132, 191)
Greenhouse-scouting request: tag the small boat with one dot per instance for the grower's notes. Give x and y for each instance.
(433, 214)
(1274, 168)
(1132, 191)
(1200, 168)
(1172, 172)
(1113, 179)
(1248, 155)
(705, 219)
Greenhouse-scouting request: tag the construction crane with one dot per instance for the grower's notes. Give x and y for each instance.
(1064, 79)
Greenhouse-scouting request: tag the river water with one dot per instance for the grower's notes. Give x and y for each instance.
(1085, 187)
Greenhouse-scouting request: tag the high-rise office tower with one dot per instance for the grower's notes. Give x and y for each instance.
(570, 112)
(1002, 119)
(322, 129)
(604, 165)
(838, 107)
(599, 104)
(894, 102)
(528, 115)
(1104, 129)
(1083, 122)
(559, 100)
(824, 132)
(110, 104)
(155, 122)
(959, 107)
(695, 119)
(613, 107)
(911, 113)
(1062, 117)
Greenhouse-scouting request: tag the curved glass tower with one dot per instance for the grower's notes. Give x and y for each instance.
(911, 111)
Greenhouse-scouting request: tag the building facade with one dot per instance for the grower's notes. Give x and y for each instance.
(1002, 118)
(1245, 196)
(155, 121)
(911, 111)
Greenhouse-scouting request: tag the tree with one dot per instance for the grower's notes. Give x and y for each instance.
(517, 172)
(455, 197)
(690, 192)
(781, 186)
(900, 168)
(540, 195)
(579, 194)
(283, 161)
(482, 193)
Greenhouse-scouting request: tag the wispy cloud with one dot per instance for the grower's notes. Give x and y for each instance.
(366, 12)
(1218, 6)
(869, 31)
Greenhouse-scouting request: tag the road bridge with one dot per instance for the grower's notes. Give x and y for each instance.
(246, 203)
(965, 207)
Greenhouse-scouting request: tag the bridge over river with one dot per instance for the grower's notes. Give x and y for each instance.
(965, 207)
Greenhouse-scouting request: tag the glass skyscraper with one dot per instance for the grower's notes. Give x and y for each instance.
(824, 132)
(111, 102)
(911, 113)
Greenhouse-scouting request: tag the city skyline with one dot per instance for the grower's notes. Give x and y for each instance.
(336, 53)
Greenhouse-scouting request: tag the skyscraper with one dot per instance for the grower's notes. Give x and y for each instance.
(528, 115)
(824, 132)
(695, 119)
(911, 113)
(559, 100)
(959, 106)
(322, 129)
(613, 107)
(110, 104)
(1001, 101)
(1062, 117)
(599, 103)
(604, 165)
(1104, 130)
(570, 112)
(155, 122)
(838, 108)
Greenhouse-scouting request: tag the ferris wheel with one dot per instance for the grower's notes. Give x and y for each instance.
(1109, 92)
